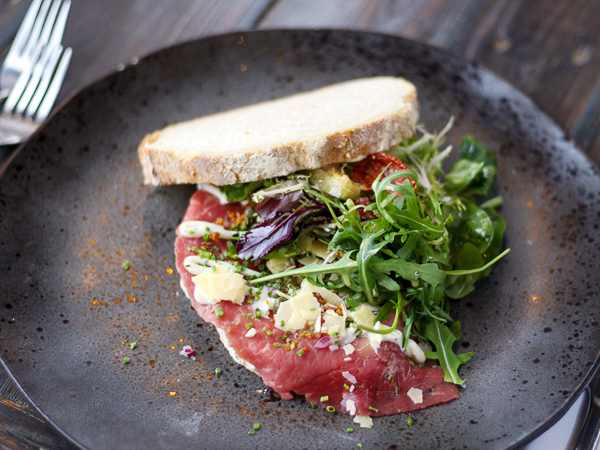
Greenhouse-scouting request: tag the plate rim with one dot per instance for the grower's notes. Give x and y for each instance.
(594, 369)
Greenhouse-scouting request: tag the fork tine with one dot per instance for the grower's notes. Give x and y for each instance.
(25, 29)
(49, 22)
(46, 76)
(33, 39)
(55, 86)
(21, 83)
(59, 26)
(36, 74)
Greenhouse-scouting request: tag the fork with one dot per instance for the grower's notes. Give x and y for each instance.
(44, 23)
(34, 93)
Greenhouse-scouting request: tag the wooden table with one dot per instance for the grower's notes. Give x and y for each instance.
(550, 49)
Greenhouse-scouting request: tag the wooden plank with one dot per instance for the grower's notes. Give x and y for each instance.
(548, 49)
(124, 31)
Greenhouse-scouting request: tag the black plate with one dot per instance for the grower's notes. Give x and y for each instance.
(73, 208)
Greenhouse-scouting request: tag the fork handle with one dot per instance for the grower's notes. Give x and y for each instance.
(589, 439)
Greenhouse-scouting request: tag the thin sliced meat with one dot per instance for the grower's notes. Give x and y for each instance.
(317, 372)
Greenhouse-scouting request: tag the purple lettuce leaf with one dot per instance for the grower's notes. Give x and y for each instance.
(273, 233)
(273, 206)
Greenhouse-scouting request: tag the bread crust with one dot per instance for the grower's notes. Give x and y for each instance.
(163, 167)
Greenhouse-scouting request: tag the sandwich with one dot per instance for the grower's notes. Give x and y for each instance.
(325, 243)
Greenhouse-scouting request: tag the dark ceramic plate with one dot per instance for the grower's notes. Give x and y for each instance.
(73, 208)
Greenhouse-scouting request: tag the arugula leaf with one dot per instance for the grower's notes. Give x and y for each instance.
(385, 311)
(368, 248)
(430, 272)
(342, 266)
(403, 211)
(442, 337)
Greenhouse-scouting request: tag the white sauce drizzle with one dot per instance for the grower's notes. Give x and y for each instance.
(214, 191)
(198, 228)
(413, 350)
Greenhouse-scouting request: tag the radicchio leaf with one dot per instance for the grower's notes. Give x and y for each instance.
(270, 234)
(273, 206)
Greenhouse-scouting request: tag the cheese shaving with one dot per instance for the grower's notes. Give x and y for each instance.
(348, 376)
(416, 395)
(364, 421)
(351, 407)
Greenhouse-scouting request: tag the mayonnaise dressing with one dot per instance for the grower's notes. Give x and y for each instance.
(198, 228)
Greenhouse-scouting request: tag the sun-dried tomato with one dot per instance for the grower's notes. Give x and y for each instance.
(368, 169)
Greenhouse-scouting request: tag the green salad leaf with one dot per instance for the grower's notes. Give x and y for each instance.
(443, 337)
(406, 248)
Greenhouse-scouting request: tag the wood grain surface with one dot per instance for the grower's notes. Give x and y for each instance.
(547, 48)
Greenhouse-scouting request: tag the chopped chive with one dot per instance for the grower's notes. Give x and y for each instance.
(330, 409)
(358, 333)
(409, 422)
(350, 430)
(300, 352)
(373, 409)
(359, 445)
(312, 405)
(434, 366)
(277, 344)
(133, 345)
(214, 268)
(391, 377)
(411, 362)
(396, 389)
(218, 371)
(126, 360)
(336, 342)
(325, 398)
(249, 325)
(346, 386)
(251, 432)
(219, 312)
(269, 333)
(293, 346)
(282, 323)
(126, 265)
(257, 426)
(229, 329)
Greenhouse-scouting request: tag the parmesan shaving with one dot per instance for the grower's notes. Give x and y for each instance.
(348, 376)
(416, 395)
(364, 421)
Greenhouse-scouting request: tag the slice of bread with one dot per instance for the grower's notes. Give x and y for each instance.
(341, 122)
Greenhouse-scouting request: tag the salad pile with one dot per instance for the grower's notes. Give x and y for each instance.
(391, 232)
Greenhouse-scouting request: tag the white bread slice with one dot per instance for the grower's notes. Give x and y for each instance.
(341, 122)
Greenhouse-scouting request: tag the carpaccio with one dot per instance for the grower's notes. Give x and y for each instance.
(364, 383)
